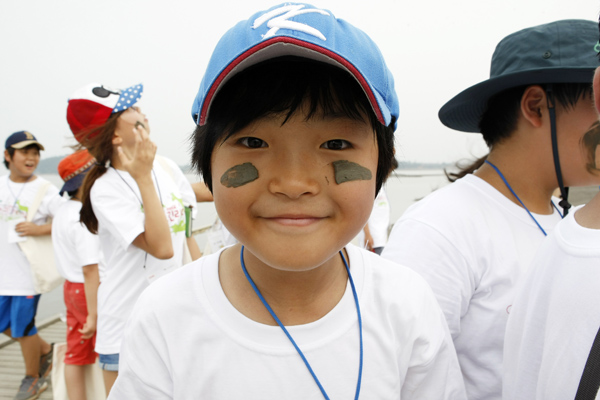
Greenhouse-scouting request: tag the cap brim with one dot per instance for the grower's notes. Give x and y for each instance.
(73, 183)
(464, 111)
(26, 143)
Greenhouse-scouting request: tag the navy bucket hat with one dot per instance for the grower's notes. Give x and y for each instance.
(559, 52)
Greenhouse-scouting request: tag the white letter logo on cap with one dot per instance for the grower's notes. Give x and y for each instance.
(278, 21)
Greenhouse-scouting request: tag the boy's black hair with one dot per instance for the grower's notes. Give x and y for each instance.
(11, 153)
(280, 86)
(499, 120)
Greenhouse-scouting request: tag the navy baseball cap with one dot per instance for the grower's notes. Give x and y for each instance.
(559, 52)
(306, 31)
(21, 139)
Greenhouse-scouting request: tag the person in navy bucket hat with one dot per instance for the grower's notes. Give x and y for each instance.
(473, 239)
(295, 118)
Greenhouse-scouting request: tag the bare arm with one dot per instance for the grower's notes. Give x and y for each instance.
(156, 238)
(194, 249)
(201, 191)
(31, 229)
(91, 279)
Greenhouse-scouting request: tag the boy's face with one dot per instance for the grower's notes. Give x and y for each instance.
(296, 193)
(572, 126)
(23, 162)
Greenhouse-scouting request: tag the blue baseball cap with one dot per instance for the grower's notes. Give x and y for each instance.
(301, 30)
(21, 139)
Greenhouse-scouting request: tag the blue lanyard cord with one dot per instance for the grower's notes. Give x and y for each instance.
(517, 197)
(262, 299)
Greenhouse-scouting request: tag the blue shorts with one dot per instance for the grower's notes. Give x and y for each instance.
(18, 314)
(109, 362)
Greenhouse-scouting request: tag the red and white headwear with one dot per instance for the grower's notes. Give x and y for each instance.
(92, 105)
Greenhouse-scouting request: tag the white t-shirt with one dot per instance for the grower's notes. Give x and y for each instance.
(379, 221)
(185, 340)
(15, 199)
(471, 244)
(555, 318)
(74, 246)
(116, 201)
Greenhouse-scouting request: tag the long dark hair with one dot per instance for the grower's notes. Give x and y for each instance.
(281, 86)
(98, 141)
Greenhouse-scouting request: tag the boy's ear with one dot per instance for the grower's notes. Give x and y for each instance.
(596, 86)
(533, 102)
(7, 156)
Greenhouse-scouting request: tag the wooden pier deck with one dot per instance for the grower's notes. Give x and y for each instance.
(12, 368)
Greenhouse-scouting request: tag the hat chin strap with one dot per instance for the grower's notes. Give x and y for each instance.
(564, 191)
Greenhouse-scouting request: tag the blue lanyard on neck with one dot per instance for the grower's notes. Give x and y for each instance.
(262, 299)
(517, 197)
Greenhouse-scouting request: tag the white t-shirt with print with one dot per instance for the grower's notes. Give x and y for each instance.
(15, 198)
(472, 245)
(185, 339)
(74, 246)
(554, 318)
(116, 201)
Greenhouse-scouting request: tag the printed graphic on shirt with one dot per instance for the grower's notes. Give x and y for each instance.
(176, 214)
(10, 211)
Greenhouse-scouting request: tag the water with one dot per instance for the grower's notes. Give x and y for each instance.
(403, 188)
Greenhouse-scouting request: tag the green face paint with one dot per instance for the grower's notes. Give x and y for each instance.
(239, 175)
(346, 171)
(591, 144)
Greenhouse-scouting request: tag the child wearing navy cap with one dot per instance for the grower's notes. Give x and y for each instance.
(77, 253)
(18, 295)
(296, 115)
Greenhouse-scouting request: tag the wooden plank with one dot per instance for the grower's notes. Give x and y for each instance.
(12, 367)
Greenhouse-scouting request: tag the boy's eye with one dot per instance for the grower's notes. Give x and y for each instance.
(252, 142)
(336, 144)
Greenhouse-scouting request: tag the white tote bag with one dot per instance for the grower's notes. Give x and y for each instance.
(39, 252)
(94, 382)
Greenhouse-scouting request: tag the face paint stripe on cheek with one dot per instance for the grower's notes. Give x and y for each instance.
(347, 171)
(239, 175)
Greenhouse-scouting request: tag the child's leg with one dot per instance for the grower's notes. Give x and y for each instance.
(109, 379)
(75, 380)
(22, 329)
(80, 352)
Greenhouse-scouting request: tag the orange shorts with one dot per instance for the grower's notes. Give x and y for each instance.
(79, 351)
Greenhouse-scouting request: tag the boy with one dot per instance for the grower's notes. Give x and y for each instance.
(77, 253)
(473, 239)
(18, 298)
(554, 318)
(295, 138)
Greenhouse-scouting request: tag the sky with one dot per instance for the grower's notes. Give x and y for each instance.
(434, 48)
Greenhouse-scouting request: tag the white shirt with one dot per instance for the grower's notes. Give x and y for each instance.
(74, 246)
(116, 201)
(554, 318)
(185, 340)
(471, 244)
(15, 198)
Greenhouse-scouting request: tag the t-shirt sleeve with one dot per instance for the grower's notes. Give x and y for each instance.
(87, 246)
(117, 210)
(49, 205)
(422, 248)
(433, 371)
(144, 371)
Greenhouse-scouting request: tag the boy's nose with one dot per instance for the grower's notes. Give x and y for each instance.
(294, 178)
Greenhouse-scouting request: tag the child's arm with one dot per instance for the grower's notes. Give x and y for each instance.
(31, 229)
(91, 279)
(194, 249)
(156, 238)
(201, 191)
